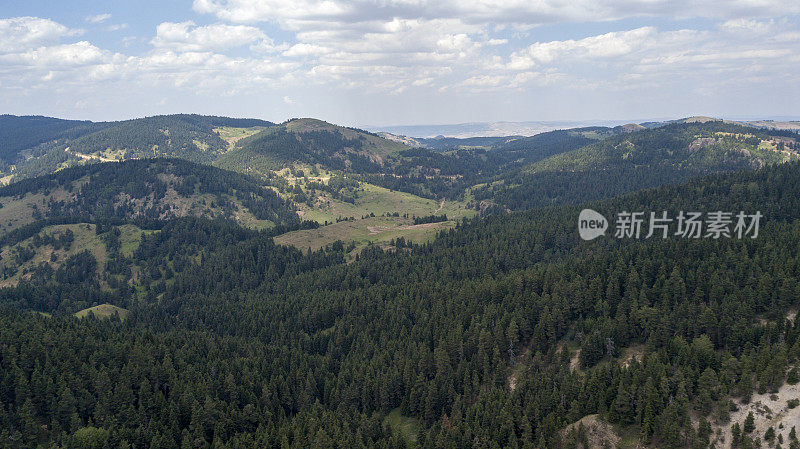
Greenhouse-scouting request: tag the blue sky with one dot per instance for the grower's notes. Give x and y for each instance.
(381, 62)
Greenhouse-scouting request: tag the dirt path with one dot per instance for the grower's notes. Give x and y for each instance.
(441, 206)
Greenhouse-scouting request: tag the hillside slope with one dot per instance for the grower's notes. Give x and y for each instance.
(36, 146)
(148, 189)
(259, 345)
(697, 145)
(644, 158)
(311, 142)
(191, 137)
(18, 133)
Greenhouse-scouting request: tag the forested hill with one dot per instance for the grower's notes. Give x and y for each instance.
(541, 146)
(322, 165)
(25, 133)
(192, 137)
(645, 158)
(32, 146)
(310, 141)
(147, 189)
(698, 146)
(500, 333)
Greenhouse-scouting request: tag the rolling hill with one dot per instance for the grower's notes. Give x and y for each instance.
(628, 161)
(145, 190)
(191, 137)
(33, 146)
(310, 142)
(702, 146)
(25, 133)
(328, 172)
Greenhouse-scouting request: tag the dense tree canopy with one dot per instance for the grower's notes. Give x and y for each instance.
(233, 341)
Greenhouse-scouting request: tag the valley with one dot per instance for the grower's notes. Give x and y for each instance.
(370, 224)
(324, 283)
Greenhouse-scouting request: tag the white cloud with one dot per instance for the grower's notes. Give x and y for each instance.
(303, 50)
(256, 11)
(77, 54)
(415, 46)
(608, 45)
(395, 43)
(523, 12)
(21, 33)
(186, 36)
(99, 18)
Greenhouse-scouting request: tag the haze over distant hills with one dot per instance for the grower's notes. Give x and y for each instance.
(489, 129)
(530, 128)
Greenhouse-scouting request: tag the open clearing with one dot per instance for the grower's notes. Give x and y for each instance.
(598, 433)
(769, 410)
(379, 230)
(406, 427)
(231, 135)
(16, 212)
(103, 311)
(601, 434)
(85, 238)
(377, 200)
(91, 157)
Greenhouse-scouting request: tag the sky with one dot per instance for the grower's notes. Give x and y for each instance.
(401, 62)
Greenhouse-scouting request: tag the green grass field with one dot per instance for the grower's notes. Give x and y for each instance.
(231, 135)
(17, 212)
(129, 239)
(377, 200)
(103, 311)
(380, 230)
(406, 427)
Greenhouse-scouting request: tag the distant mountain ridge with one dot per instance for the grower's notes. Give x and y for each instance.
(489, 129)
(530, 128)
(33, 146)
(317, 165)
(645, 157)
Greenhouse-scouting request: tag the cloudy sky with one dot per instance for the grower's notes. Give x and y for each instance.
(381, 62)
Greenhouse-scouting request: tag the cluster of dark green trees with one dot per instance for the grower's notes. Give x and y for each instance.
(233, 341)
